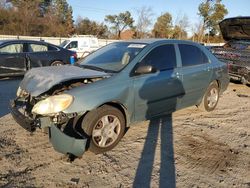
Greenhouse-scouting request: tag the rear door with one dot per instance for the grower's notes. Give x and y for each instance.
(196, 73)
(39, 54)
(12, 59)
(158, 93)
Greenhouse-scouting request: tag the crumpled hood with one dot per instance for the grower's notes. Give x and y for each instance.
(39, 80)
(235, 28)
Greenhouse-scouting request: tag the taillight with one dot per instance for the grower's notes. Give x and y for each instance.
(73, 58)
(74, 55)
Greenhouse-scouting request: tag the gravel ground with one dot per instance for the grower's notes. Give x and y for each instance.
(189, 148)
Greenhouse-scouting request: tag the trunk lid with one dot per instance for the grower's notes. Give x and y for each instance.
(237, 28)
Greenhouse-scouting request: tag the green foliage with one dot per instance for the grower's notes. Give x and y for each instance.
(88, 27)
(163, 26)
(212, 12)
(120, 22)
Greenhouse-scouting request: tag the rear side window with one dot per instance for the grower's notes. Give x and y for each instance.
(72, 44)
(52, 48)
(162, 57)
(192, 55)
(37, 48)
(12, 48)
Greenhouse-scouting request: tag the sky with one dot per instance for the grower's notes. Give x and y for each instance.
(97, 9)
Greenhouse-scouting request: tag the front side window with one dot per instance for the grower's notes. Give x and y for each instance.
(52, 48)
(162, 57)
(12, 48)
(192, 55)
(113, 57)
(37, 48)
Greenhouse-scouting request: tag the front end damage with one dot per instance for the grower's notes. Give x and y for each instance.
(64, 129)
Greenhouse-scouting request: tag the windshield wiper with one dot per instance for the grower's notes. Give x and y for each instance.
(97, 68)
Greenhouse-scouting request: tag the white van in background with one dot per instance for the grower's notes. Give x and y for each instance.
(81, 44)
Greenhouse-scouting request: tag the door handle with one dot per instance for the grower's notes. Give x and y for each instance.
(177, 74)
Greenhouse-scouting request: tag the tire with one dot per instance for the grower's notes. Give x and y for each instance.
(244, 80)
(210, 98)
(104, 133)
(57, 63)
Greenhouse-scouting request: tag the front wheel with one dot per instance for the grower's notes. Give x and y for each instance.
(105, 126)
(210, 98)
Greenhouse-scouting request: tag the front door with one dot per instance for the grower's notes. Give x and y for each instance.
(157, 93)
(12, 60)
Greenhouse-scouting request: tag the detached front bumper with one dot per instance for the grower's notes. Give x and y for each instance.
(66, 144)
(67, 141)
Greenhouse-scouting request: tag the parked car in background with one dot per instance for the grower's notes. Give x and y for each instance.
(18, 56)
(82, 44)
(236, 52)
(114, 87)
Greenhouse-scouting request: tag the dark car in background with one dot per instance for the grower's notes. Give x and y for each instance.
(18, 56)
(115, 86)
(236, 52)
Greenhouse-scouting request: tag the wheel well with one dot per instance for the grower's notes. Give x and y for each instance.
(218, 83)
(119, 107)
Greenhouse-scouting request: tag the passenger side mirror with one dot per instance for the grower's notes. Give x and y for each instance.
(145, 69)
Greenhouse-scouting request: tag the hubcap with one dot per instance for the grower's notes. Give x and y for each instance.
(106, 131)
(212, 98)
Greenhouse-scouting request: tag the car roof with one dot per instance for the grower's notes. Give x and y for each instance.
(158, 40)
(21, 40)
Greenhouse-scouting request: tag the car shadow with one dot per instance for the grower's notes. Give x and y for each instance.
(160, 128)
(8, 89)
(160, 94)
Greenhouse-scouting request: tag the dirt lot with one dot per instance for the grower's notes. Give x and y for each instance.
(188, 149)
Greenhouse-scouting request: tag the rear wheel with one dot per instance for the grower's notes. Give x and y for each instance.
(105, 126)
(244, 80)
(210, 98)
(56, 63)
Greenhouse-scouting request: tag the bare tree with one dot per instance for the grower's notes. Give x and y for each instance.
(198, 32)
(181, 26)
(144, 21)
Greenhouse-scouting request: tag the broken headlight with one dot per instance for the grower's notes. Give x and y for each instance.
(21, 93)
(53, 104)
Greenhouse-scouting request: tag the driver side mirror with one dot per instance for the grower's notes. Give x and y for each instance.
(145, 69)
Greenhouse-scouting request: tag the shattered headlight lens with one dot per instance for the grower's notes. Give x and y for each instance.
(53, 104)
(21, 93)
(18, 93)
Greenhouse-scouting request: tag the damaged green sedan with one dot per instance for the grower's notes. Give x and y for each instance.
(90, 105)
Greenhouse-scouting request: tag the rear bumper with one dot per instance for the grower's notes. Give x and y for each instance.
(67, 141)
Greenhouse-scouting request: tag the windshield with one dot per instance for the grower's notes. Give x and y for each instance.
(64, 43)
(113, 57)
